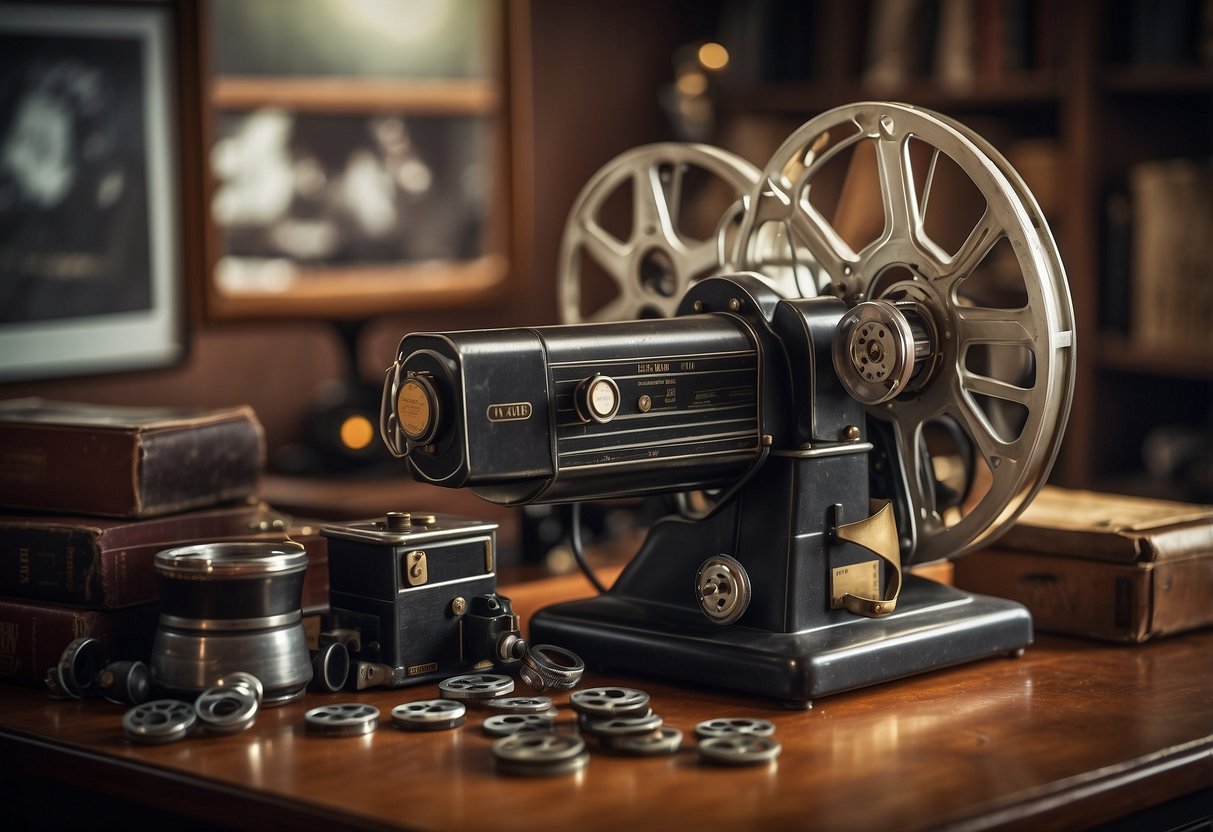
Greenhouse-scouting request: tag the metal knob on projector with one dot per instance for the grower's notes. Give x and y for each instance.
(228, 607)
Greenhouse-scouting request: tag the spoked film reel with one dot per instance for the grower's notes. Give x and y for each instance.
(646, 228)
(906, 206)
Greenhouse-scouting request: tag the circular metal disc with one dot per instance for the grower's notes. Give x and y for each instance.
(227, 710)
(248, 680)
(733, 726)
(521, 705)
(476, 686)
(652, 264)
(739, 750)
(506, 725)
(517, 769)
(159, 721)
(609, 701)
(429, 715)
(538, 750)
(621, 726)
(348, 719)
(665, 740)
(1000, 393)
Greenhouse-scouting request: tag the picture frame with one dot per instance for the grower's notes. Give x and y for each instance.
(338, 187)
(92, 271)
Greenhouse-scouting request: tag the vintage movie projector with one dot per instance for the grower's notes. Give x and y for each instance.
(862, 360)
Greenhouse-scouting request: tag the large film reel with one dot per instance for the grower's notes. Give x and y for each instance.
(645, 244)
(972, 437)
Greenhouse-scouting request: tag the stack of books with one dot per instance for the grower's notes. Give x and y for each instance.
(90, 493)
(1105, 566)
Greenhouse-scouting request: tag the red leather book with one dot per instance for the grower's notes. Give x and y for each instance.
(126, 461)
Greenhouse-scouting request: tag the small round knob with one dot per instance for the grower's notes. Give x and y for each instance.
(597, 399)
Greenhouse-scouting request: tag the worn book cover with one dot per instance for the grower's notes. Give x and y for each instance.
(33, 635)
(1111, 527)
(106, 563)
(1126, 602)
(126, 461)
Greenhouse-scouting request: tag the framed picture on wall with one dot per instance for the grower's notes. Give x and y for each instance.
(90, 230)
(358, 160)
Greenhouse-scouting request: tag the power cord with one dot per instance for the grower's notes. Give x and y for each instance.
(579, 550)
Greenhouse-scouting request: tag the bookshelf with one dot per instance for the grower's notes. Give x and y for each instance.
(1080, 88)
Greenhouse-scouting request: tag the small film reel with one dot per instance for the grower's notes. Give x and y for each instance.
(348, 719)
(598, 703)
(429, 715)
(739, 750)
(159, 721)
(665, 740)
(476, 686)
(227, 709)
(621, 726)
(522, 705)
(734, 726)
(506, 725)
(540, 755)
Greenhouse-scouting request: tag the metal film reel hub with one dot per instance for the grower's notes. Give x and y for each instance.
(621, 726)
(348, 719)
(506, 725)
(652, 264)
(734, 726)
(723, 589)
(429, 715)
(739, 750)
(540, 755)
(159, 721)
(521, 705)
(227, 709)
(604, 702)
(1000, 378)
(476, 686)
(665, 740)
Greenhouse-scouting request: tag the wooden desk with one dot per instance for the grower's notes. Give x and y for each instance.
(1074, 733)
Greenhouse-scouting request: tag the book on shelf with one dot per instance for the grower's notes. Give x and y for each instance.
(103, 563)
(1102, 565)
(126, 461)
(33, 635)
(1172, 244)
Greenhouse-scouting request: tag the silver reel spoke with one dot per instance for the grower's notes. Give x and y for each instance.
(974, 437)
(650, 266)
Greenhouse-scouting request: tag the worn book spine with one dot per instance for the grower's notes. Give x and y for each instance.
(101, 563)
(1109, 601)
(33, 635)
(130, 472)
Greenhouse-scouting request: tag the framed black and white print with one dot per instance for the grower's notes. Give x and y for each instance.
(90, 236)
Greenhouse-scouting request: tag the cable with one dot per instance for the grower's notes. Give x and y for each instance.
(579, 550)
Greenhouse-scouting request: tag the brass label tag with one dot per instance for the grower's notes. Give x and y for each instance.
(510, 412)
(416, 570)
(858, 579)
(418, 669)
(413, 409)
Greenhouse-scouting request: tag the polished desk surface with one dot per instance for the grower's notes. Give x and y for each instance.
(1071, 734)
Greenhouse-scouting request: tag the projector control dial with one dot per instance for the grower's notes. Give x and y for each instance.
(597, 399)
